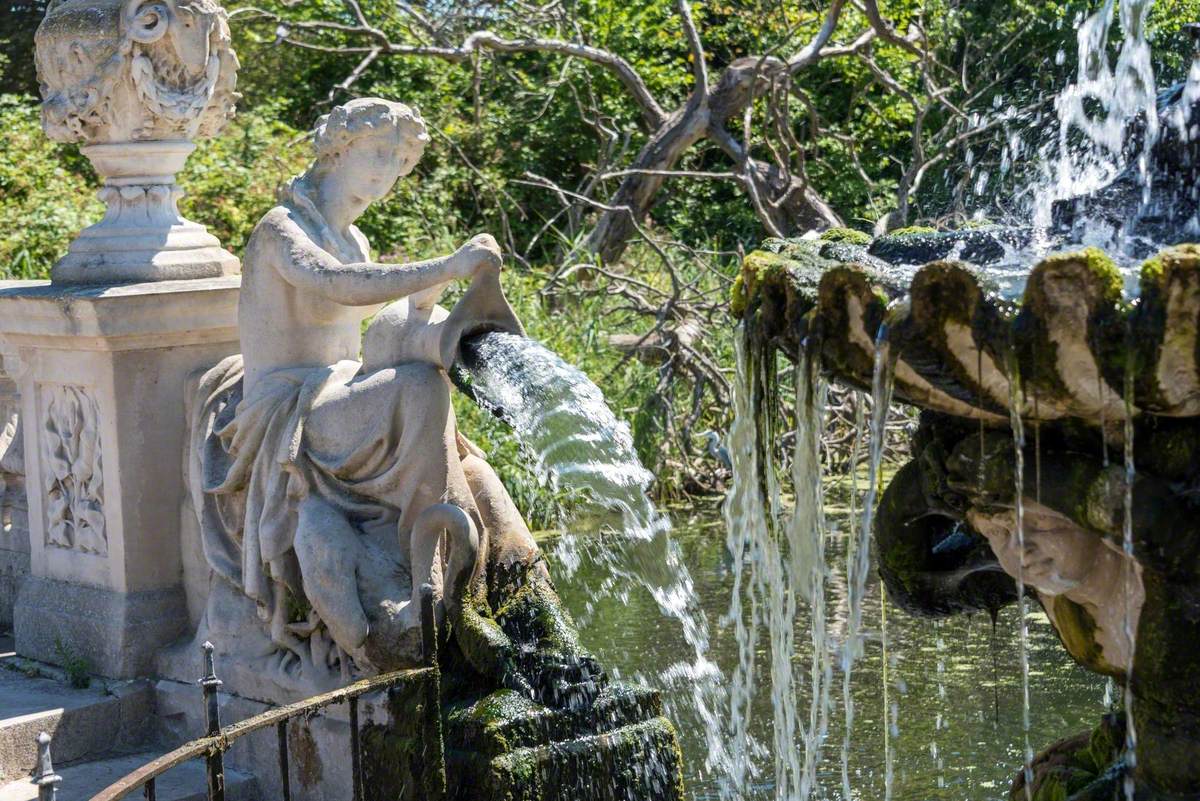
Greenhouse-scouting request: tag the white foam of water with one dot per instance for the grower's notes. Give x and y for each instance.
(577, 443)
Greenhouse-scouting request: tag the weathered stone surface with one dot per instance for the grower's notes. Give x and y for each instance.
(86, 723)
(117, 633)
(98, 371)
(14, 507)
(134, 82)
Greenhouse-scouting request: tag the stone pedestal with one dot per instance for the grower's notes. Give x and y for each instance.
(14, 524)
(101, 373)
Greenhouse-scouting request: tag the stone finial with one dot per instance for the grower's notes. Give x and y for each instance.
(134, 82)
(47, 780)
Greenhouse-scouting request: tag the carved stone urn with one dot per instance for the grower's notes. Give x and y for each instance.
(134, 82)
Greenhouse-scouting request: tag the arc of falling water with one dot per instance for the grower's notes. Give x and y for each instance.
(561, 417)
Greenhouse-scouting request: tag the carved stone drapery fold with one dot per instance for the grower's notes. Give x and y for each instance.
(72, 470)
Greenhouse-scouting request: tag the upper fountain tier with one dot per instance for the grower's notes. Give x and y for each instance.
(1074, 340)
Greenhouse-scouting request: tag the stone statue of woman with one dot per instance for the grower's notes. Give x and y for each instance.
(328, 491)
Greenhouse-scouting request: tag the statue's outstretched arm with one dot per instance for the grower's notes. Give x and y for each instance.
(307, 266)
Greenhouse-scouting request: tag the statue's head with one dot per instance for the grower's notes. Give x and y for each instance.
(368, 144)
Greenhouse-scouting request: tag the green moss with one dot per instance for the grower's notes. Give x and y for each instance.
(1099, 264)
(1077, 630)
(975, 225)
(913, 230)
(1154, 269)
(737, 296)
(848, 235)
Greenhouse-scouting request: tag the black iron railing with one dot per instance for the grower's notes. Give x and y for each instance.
(218, 739)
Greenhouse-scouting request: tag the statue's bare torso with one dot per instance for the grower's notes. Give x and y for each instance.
(284, 325)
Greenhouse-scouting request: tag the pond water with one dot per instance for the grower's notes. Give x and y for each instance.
(956, 686)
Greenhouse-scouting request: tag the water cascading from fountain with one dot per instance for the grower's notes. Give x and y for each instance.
(858, 565)
(777, 564)
(1128, 578)
(561, 419)
(745, 512)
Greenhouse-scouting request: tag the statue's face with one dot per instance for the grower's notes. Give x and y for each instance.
(1057, 556)
(373, 164)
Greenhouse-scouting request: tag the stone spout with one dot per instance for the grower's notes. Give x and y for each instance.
(410, 330)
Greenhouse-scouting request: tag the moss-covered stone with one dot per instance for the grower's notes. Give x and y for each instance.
(847, 235)
(1078, 767)
(913, 230)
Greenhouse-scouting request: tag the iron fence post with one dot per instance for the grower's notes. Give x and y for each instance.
(355, 750)
(47, 780)
(212, 717)
(284, 773)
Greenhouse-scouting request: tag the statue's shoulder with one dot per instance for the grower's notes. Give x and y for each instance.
(279, 221)
(277, 227)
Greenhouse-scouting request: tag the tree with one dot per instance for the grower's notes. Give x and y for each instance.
(778, 188)
(18, 21)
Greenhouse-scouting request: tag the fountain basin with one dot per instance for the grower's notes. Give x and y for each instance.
(1065, 377)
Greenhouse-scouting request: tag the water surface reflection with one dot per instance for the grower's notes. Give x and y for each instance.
(959, 734)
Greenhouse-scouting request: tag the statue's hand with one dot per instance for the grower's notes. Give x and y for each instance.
(482, 252)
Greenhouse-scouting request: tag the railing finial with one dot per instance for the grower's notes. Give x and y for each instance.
(47, 780)
(212, 717)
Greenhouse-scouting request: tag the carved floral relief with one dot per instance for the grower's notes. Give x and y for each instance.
(72, 470)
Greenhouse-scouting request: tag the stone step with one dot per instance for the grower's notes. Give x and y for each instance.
(85, 723)
(183, 783)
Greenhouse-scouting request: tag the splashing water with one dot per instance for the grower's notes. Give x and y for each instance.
(560, 417)
(1091, 146)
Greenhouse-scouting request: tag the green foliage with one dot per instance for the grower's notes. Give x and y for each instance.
(77, 667)
(498, 120)
(230, 182)
(47, 193)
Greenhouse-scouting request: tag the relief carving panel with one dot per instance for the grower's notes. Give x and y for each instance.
(72, 470)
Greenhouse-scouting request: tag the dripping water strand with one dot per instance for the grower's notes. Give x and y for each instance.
(745, 524)
(807, 549)
(939, 722)
(1129, 566)
(1016, 403)
(858, 566)
(851, 540)
(891, 712)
